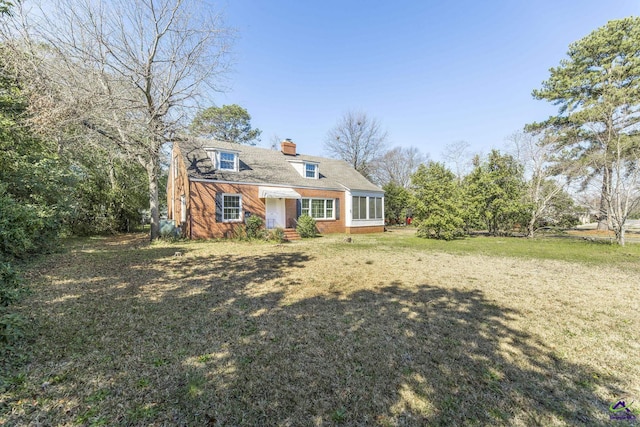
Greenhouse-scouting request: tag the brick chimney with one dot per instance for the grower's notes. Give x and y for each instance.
(288, 147)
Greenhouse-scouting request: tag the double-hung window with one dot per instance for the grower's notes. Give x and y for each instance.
(318, 208)
(227, 161)
(224, 160)
(311, 170)
(231, 207)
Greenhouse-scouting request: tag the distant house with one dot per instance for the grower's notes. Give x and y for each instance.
(214, 185)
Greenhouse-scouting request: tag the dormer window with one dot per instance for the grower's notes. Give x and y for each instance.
(311, 170)
(307, 169)
(227, 161)
(224, 160)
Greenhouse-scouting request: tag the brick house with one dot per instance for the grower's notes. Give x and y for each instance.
(214, 185)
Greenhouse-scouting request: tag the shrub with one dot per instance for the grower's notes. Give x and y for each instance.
(11, 285)
(440, 227)
(25, 228)
(11, 326)
(306, 226)
(254, 228)
(276, 235)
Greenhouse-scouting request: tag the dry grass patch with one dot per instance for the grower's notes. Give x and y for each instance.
(322, 332)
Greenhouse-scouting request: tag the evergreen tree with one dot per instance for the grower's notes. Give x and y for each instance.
(495, 190)
(598, 90)
(437, 202)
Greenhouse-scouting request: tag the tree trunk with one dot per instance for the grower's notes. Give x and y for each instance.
(619, 231)
(603, 214)
(531, 226)
(152, 174)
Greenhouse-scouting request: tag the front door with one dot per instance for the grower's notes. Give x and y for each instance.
(275, 213)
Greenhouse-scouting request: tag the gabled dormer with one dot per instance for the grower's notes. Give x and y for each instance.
(224, 160)
(306, 168)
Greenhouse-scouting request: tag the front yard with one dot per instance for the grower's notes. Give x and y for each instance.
(387, 330)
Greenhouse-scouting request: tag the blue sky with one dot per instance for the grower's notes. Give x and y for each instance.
(432, 72)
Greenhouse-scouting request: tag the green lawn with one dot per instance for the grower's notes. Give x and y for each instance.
(562, 248)
(387, 330)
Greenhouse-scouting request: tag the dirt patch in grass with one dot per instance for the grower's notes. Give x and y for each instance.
(322, 332)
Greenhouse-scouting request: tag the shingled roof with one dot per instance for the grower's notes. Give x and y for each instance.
(264, 166)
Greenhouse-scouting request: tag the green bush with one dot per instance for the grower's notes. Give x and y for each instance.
(254, 228)
(306, 226)
(440, 227)
(11, 285)
(11, 327)
(25, 228)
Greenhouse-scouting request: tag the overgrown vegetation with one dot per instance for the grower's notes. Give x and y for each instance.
(34, 183)
(255, 227)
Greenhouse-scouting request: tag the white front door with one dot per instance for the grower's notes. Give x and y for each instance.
(276, 215)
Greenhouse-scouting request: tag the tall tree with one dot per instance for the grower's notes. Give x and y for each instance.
(494, 193)
(126, 70)
(622, 180)
(545, 190)
(396, 166)
(227, 123)
(396, 203)
(357, 139)
(598, 90)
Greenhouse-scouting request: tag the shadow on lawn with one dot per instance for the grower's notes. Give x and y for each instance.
(204, 347)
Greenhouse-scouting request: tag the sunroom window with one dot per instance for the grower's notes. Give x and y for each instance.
(366, 207)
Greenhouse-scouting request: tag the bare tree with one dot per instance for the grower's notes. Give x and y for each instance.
(127, 70)
(622, 183)
(274, 142)
(536, 151)
(458, 158)
(397, 165)
(357, 139)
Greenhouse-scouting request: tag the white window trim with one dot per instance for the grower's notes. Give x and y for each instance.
(332, 218)
(316, 170)
(215, 156)
(235, 161)
(241, 215)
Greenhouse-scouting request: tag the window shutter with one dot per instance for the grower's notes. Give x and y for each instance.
(298, 208)
(218, 201)
(336, 208)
